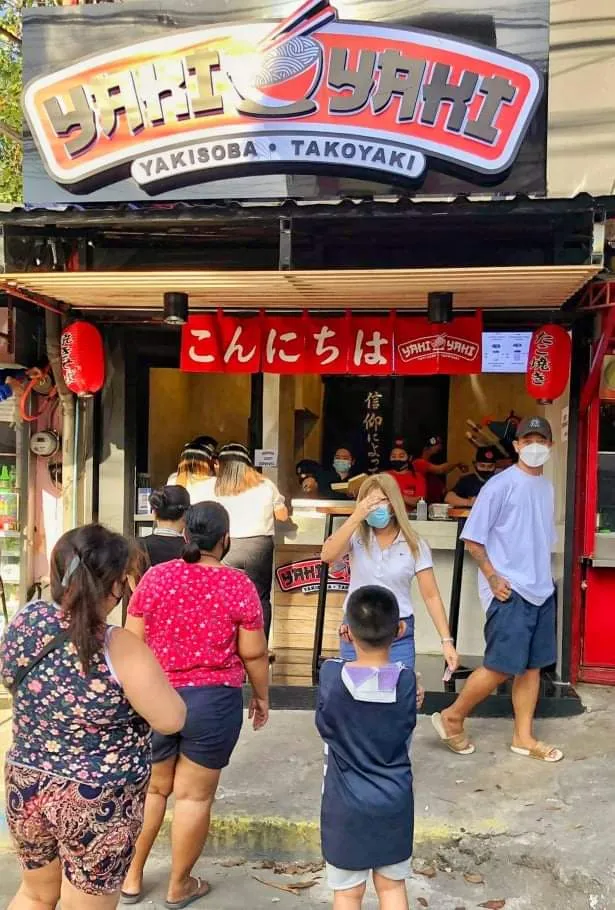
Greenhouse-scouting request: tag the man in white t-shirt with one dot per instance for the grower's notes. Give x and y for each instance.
(510, 533)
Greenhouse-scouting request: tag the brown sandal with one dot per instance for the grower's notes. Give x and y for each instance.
(459, 743)
(541, 752)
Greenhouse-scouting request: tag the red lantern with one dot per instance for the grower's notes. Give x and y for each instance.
(548, 363)
(83, 358)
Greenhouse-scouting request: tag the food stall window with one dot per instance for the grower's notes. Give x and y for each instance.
(369, 413)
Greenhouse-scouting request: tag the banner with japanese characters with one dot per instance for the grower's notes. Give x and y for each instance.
(344, 343)
(424, 348)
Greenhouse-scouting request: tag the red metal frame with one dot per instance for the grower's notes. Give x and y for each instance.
(600, 296)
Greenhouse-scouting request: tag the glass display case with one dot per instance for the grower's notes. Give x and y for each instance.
(11, 550)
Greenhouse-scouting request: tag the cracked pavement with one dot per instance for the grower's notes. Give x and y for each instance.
(537, 836)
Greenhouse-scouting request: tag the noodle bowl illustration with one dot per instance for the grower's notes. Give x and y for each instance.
(287, 65)
(285, 73)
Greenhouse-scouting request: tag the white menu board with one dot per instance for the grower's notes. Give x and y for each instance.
(505, 352)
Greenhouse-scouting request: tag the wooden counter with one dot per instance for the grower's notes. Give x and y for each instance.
(297, 562)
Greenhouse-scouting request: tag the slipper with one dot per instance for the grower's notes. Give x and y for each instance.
(188, 901)
(541, 752)
(459, 743)
(126, 898)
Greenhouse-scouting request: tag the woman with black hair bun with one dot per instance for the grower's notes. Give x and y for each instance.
(204, 622)
(84, 696)
(169, 506)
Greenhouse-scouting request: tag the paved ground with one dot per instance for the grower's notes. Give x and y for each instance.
(537, 836)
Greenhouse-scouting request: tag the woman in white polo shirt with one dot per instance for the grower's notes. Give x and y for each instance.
(253, 503)
(384, 550)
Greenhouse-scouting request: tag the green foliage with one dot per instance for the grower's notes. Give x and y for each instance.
(10, 100)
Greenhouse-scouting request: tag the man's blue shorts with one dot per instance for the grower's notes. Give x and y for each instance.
(519, 635)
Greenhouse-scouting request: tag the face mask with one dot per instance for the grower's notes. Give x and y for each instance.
(535, 455)
(379, 518)
(399, 464)
(485, 475)
(342, 465)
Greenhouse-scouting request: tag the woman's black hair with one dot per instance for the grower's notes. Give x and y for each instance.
(207, 443)
(61, 556)
(207, 523)
(86, 564)
(170, 503)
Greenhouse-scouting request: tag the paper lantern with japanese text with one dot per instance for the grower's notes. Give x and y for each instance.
(548, 363)
(83, 358)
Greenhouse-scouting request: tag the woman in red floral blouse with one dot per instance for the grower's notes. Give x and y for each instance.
(204, 623)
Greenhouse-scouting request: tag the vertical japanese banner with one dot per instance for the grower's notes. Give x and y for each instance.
(200, 345)
(373, 428)
(327, 343)
(283, 344)
(241, 342)
(371, 345)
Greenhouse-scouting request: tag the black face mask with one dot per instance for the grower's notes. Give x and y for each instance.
(399, 464)
(485, 475)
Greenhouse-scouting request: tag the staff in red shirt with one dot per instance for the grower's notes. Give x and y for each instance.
(435, 473)
(411, 481)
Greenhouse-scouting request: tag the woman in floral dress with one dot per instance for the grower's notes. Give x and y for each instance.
(80, 762)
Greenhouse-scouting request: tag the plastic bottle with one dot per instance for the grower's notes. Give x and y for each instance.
(421, 510)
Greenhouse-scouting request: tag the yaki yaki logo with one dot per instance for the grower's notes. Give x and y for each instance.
(307, 94)
(431, 345)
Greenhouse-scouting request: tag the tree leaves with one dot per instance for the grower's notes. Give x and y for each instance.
(11, 153)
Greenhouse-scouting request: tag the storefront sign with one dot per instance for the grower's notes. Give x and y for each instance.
(304, 576)
(426, 347)
(310, 93)
(347, 344)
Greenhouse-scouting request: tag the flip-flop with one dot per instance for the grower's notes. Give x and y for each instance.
(126, 898)
(459, 743)
(188, 901)
(541, 752)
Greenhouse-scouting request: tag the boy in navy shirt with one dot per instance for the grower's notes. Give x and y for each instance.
(366, 714)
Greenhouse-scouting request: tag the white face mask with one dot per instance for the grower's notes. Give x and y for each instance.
(535, 455)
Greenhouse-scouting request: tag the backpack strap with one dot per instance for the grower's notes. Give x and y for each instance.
(56, 642)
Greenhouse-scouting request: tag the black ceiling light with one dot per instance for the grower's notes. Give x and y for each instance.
(175, 307)
(440, 306)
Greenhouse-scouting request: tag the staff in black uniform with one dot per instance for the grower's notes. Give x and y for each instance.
(464, 493)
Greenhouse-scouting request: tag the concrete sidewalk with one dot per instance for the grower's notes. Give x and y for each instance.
(538, 836)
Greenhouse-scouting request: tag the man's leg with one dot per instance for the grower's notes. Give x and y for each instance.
(525, 698)
(478, 687)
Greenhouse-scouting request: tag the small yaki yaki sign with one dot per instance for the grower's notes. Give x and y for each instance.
(310, 93)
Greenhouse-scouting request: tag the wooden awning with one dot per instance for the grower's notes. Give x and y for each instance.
(513, 288)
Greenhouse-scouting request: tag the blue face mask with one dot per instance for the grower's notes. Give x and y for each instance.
(342, 465)
(379, 518)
